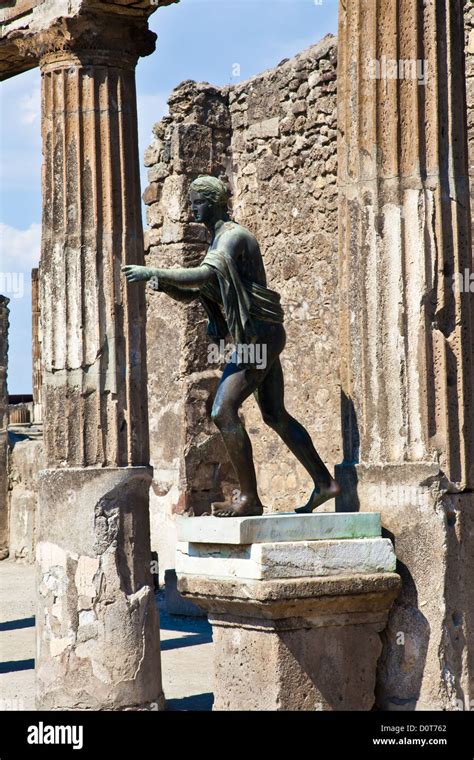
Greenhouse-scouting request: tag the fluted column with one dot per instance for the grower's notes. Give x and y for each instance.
(4, 324)
(98, 629)
(94, 342)
(407, 367)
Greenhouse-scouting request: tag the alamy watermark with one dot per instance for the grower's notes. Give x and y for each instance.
(398, 493)
(463, 282)
(12, 284)
(462, 705)
(254, 354)
(42, 733)
(391, 68)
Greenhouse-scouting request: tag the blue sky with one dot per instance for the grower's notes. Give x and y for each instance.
(197, 39)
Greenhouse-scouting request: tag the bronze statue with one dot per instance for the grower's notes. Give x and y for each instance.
(232, 286)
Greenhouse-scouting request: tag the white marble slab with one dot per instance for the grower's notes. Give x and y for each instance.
(262, 561)
(278, 527)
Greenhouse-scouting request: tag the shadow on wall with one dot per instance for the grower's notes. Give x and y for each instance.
(405, 643)
(459, 604)
(346, 472)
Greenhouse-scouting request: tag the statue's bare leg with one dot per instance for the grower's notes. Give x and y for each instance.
(235, 386)
(270, 398)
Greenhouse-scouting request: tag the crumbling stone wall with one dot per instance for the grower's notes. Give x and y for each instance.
(273, 140)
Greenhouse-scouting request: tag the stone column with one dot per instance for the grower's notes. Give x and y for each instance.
(4, 542)
(98, 629)
(469, 48)
(296, 603)
(406, 333)
(36, 345)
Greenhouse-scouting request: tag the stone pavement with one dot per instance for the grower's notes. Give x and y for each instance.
(186, 646)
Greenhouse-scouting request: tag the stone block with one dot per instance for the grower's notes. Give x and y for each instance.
(175, 232)
(265, 128)
(152, 153)
(286, 559)
(158, 172)
(264, 669)
(152, 193)
(191, 146)
(296, 644)
(273, 528)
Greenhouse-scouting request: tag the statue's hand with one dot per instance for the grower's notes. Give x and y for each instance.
(135, 273)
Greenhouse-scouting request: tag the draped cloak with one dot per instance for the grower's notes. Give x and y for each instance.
(243, 301)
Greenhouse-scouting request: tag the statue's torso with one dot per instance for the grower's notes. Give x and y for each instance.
(238, 285)
(249, 262)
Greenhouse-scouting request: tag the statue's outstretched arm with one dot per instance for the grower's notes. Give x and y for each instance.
(191, 277)
(177, 294)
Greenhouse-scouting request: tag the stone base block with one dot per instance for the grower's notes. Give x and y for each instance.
(295, 644)
(285, 671)
(98, 643)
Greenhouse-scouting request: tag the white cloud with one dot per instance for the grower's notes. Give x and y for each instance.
(19, 249)
(30, 106)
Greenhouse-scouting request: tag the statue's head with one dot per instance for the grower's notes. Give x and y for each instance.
(208, 197)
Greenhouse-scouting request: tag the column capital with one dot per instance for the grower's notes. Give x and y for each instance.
(100, 39)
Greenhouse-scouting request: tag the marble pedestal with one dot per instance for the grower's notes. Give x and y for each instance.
(296, 602)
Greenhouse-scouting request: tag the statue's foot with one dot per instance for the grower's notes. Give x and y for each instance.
(319, 496)
(243, 507)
